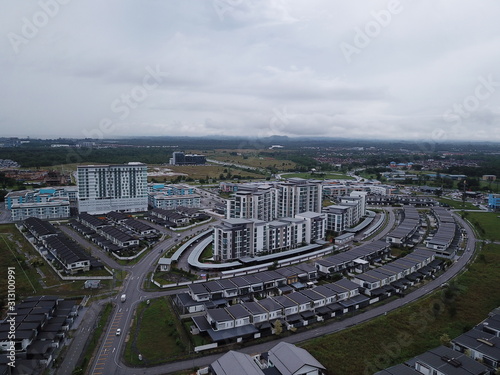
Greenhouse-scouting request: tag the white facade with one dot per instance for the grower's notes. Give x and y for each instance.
(169, 202)
(105, 188)
(43, 203)
(44, 210)
(298, 195)
(347, 213)
(271, 201)
(259, 202)
(315, 225)
(236, 238)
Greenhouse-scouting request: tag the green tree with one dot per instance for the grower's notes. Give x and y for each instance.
(445, 340)
(278, 327)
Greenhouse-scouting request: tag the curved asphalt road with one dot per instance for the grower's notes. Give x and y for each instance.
(108, 359)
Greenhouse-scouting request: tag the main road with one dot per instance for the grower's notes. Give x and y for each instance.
(108, 359)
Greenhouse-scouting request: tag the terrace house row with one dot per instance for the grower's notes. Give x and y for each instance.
(398, 275)
(408, 226)
(482, 343)
(104, 228)
(439, 361)
(261, 284)
(138, 227)
(41, 327)
(442, 240)
(251, 319)
(55, 246)
(357, 259)
(167, 218)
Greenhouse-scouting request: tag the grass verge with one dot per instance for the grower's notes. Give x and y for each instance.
(459, 205)
(94, 339)
(319, 176)
(157, 334)
(486, 224)
(416, 328)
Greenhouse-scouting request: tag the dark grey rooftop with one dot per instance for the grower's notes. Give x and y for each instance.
(219, 315)
(482, 342)
(398, 370)
(285, 301)
(449, 362)
(238, 311)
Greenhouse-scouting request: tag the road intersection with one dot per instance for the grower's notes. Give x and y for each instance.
(109, 354)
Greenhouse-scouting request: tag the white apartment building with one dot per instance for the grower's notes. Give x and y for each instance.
(53, 209)
(257, 202)
(298, 195)
(338, 217)
(236, 238)
(347, 213)
(105, 188)
(315, 228)
(271, 201)
(43, 203)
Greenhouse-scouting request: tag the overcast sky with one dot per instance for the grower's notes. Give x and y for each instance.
(427, 69)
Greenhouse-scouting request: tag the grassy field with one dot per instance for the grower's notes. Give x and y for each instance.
(412, 330)
(252, 159)
(202, 172)
(486, 223)
(319, 176)
(458, 204)
(12, 249)
(157, 334)
(15, 251)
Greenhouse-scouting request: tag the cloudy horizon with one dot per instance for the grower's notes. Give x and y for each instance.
(381, 70)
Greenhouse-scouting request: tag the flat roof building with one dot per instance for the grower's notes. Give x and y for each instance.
(105, 188)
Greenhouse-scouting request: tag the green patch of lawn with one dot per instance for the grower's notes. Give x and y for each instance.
(252, 159)
(318, 176)
(199, 172)
(414, 329)
(486, 223)
(12, 255)
(16, 251)
(458, 204)
(207, 252)
(157, 334)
